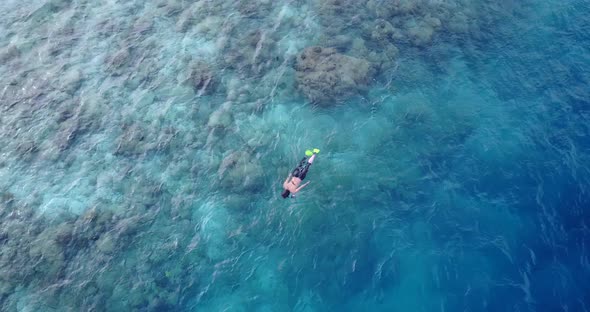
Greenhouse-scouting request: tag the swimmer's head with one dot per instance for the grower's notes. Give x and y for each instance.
(285, 193)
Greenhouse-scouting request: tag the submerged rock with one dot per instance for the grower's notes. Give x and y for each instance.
(253, 53)
(88, 228)
(26, 149)
(171, 8)
(63, 233)
(118, 60)
(421, 32)
(221, 117)
(382, 30)
(47, 255)
(58, 5)
(201, 78)
(106, 244)
(185, 20)
(325, 76)
(209, 27)
(67, 135)
(338, 16)
(71, 81)
(143, 25)
(8, 53)
(240, 171)
(254, 9)
(132, 140)
(341, 43)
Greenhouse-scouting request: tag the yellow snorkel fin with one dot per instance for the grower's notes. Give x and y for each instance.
(308, 153)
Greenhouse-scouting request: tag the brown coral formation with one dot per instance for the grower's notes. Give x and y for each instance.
(253, 53)
(136, 139)
(221, 118)
(240, 171)
(325, 76)
(201, 78)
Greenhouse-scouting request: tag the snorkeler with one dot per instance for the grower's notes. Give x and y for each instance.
(291, 184)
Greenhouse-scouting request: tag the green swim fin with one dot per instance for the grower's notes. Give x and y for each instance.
(316, 150)
(308, 153)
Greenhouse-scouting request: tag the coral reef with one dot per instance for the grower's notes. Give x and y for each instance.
(8, 53)
(338, 16)
(326, 77)
(221, 117)
(240, 172)
(201, 78)
(254, 9)
(136, 139)
(143, 145)
(118, 60)
(252, 53)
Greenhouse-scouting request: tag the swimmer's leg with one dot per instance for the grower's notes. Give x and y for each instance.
(306, 167)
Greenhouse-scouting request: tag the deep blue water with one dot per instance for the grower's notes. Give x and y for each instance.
(143, 146)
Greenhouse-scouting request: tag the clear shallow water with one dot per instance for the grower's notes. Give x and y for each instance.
(457, 181)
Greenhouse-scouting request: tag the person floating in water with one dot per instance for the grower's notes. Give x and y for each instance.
(293, 181)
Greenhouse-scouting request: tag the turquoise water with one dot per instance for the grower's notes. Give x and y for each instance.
(143, 145)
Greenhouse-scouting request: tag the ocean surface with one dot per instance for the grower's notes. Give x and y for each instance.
(143, 146)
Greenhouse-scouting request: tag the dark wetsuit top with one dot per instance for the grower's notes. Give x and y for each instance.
(301, 170)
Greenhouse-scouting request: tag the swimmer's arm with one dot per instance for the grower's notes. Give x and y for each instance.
(299, 188)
